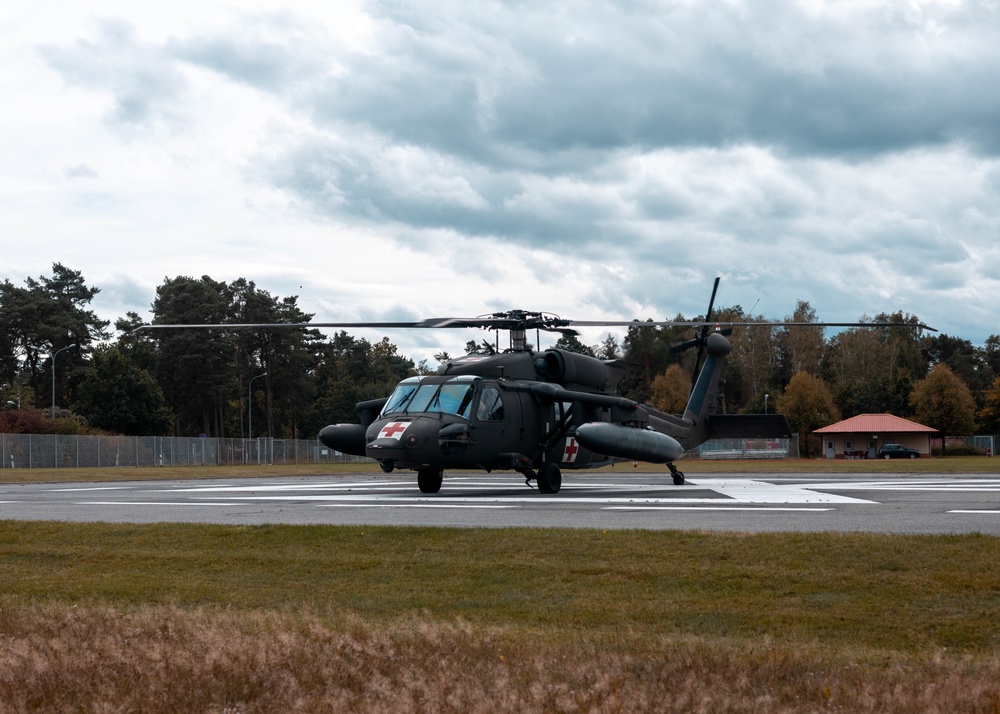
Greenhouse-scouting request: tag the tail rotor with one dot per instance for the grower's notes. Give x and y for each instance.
(700, 340)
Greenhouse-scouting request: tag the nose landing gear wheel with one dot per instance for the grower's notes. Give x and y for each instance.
(549, 478)
(429, 480)
(677, 475)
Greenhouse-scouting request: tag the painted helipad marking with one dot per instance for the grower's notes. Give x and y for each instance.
(416, 505)
(182, 504)
(734, 491)
(717, 508)
(985, 513)
(263, 488)
(752, 491)
(89, 488)
(926, 485)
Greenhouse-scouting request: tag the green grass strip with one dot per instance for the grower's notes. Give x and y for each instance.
(853, 591)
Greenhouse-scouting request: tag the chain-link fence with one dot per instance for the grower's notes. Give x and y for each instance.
(749, 449)
(48, 451)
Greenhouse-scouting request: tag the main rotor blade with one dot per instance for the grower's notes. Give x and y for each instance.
(495, 323)
(703, 323)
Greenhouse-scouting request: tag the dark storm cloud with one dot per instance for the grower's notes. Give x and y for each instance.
(842, 153)
(409, 186)
(801, 80)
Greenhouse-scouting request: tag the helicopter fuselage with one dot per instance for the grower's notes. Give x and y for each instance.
(521, 410)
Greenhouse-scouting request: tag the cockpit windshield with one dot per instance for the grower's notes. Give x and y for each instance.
(452, 397)
(400, 396)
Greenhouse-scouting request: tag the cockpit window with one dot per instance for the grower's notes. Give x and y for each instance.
(400, 398)
(490, 405)
(448, 398)
(453, 399)
(422, 397)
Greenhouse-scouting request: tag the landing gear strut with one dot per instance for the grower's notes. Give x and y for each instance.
(678, 476)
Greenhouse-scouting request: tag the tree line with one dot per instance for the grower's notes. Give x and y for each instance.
(289, 383)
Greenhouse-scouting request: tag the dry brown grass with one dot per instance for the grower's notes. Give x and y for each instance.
(167, 659)
(170, 618)
(164, 618)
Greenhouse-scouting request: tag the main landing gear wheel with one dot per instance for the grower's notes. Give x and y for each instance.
(677, 475)
(429, 480)
(549, 478)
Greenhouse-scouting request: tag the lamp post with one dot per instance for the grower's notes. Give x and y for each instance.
(765, 402)
(250, 405)
(53, 356)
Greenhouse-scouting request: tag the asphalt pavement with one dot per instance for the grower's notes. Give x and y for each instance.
(926, 503)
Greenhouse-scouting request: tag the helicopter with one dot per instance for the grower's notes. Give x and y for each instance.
(540, 412)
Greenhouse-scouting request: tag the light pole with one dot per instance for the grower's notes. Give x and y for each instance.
(765, 402)
(250, 405)
(53, 356)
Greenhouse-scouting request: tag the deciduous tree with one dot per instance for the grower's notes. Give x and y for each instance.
(802, 348)
(989, 414)
(808, 405)
(943, 401)
(671, 390)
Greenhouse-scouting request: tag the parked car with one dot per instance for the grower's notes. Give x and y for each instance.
(897, 451)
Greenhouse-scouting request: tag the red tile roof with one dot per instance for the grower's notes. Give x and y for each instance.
(876, 424)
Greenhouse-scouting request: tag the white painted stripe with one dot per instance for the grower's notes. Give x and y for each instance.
(89, 488)
(989, 484)
(339, 486)
(413, 505)
(719, 508)
(182, 504)
(990, 513)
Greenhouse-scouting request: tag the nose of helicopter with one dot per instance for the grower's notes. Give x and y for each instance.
(405, 442)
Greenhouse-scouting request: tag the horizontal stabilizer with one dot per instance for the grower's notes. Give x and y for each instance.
(748, 426)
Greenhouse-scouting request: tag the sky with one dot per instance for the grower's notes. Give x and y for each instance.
(598, 160)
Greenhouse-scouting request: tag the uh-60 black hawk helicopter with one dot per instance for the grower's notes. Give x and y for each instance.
(540, 412)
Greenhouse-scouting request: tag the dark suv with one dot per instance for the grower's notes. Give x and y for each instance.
(897, 451)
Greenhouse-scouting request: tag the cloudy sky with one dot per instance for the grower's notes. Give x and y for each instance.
(404, 160)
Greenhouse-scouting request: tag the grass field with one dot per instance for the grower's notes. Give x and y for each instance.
(166, 617)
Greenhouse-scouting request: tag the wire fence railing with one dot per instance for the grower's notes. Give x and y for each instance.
(47, 451)
(749, 449)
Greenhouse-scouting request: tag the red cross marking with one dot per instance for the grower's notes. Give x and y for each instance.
(569, 454)
(393, 429)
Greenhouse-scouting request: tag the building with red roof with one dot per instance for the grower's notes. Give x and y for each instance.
(861, 436)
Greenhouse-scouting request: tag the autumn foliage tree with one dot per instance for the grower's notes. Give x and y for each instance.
(943, 401)
(989, 414)
(808, 405)
(671, 389)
